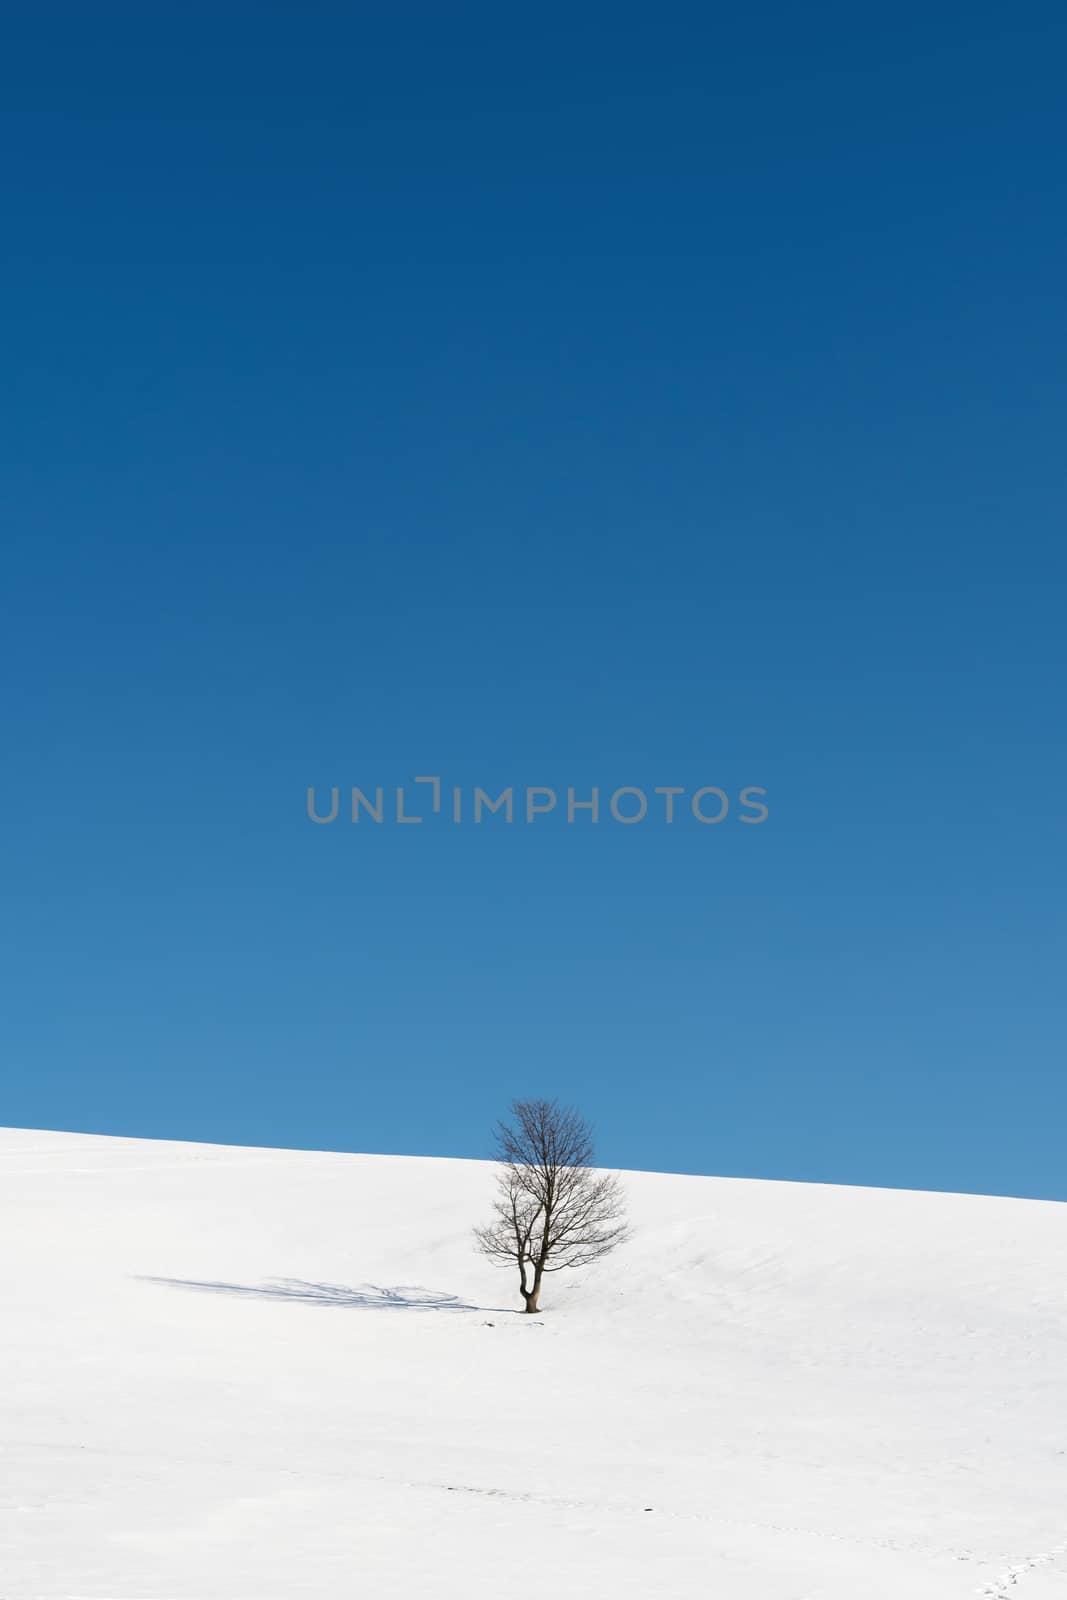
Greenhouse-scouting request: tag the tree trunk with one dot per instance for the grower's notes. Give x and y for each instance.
(530, 1296)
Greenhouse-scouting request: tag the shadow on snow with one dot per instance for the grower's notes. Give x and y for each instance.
(369, 1296)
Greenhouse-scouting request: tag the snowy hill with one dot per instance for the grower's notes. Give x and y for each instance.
(237, 1374)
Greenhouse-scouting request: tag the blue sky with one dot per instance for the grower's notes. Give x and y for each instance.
(596, 396)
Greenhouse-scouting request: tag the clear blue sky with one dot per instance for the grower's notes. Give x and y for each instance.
(592, 394)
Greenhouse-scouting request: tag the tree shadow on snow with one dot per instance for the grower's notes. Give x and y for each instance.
(368, 1296)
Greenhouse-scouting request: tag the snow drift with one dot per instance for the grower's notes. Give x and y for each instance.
(238, 1374)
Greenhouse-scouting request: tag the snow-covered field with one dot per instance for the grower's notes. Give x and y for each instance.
(238, 1374)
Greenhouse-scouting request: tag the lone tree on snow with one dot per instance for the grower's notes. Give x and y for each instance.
(552, 1209)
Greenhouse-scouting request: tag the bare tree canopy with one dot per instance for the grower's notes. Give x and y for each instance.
(552, 1210)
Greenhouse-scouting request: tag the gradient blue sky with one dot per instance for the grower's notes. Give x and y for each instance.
(614, 395)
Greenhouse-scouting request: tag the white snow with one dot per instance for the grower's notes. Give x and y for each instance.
(224, 1378)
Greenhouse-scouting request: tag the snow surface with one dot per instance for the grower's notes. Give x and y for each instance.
(238, 1374)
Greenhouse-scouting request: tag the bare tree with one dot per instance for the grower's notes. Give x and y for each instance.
(552, 1209)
